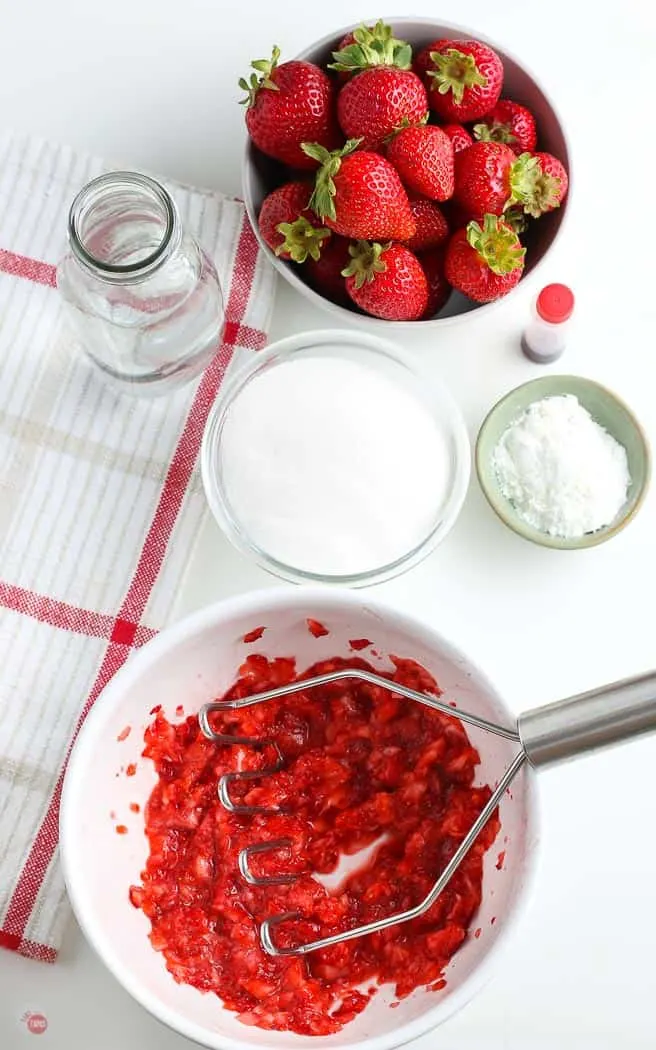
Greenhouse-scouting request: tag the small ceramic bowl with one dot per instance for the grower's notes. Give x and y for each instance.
(607, 410)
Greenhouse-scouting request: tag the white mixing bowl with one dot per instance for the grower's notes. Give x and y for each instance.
(190, 664)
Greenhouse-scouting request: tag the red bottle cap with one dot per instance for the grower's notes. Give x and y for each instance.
(555, 303)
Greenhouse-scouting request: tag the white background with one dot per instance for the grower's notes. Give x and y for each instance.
(152, 84)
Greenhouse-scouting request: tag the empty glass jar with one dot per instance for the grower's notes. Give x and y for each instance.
(143, 298)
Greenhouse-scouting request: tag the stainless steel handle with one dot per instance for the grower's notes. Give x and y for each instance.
(592, 720)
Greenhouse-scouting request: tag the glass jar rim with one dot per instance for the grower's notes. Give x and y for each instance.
(133, 270)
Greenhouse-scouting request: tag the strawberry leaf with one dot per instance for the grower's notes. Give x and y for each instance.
(373, 46)
(322, 200)
(366, 262)
(533, 188)
(494, 133)
(454, 71)
(254, 84)
(301, 239)
(497, 244)
(316, 151)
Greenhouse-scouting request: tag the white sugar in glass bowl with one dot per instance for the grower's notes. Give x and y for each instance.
(270, 475)
(193, 662)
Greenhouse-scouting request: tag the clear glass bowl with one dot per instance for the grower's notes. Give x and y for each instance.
(383, 356)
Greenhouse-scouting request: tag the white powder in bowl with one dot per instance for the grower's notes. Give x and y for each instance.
(564, 474)
(332, 467)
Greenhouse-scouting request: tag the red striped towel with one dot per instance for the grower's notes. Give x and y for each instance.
(100, 507)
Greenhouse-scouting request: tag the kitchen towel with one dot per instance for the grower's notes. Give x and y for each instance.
(100, 506)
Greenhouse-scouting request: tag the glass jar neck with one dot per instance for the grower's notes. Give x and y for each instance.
(122, 227)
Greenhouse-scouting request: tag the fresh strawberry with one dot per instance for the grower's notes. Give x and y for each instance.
(439, 289)
(287, 105)
(511, 124)
(464, 78)
(489, 177)
(459, 136)
(370, 46)
(377, 101)
(549, 186)
(386, 280)
(325, 273)
(423, 157)
(432, 228)
(485, 262)
(359, 194)
(287, 225)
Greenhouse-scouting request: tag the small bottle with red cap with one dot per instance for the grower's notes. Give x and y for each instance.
(545, 336)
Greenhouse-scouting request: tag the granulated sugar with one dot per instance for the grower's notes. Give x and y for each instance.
(331, 467)
(563, 473)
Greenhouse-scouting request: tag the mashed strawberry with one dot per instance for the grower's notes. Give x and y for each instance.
(362, 766)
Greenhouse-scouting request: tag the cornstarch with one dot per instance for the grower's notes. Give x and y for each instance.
(564, 473)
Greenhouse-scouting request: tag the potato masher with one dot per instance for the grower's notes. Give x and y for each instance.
(545, 735)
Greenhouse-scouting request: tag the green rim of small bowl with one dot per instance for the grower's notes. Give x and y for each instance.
(607, 409)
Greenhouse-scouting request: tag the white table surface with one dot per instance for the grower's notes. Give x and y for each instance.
(152, 84)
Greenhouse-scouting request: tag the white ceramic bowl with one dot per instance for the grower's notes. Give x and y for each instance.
(190, 664)
(260, 174)
(381, 357)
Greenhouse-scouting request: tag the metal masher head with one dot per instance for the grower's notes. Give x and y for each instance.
(591, 720)
(245, 854)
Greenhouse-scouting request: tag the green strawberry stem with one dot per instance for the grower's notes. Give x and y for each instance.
(301, 239)
(366, 261)
(322, 200)
(374, 46)
(494, 132)
(523, 177)
(497, 244)
(254, 83)
(532, 187)
(454, 71)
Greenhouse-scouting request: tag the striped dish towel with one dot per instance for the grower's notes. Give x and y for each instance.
(100, 507)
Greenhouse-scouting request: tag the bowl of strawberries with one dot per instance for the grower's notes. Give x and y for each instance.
(409, 172)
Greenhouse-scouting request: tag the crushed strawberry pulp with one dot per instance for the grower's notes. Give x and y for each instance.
(363, 768)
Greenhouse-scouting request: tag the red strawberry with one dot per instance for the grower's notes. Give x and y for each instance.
(386, 280)
(459, 136)
(287, 105)
(463, 77)
(377, 101)
(432, 228)
(325, 273)
(510, 123)
(550, 185)
(423, 157)
(359, 194)
(439, 289)
(485, 262)
(489, 176)
(290, 229)
(370, 46)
